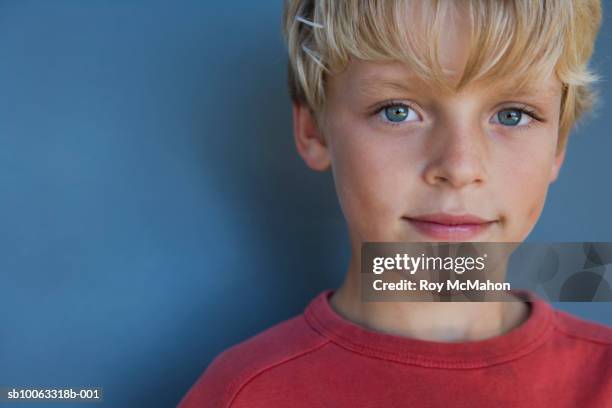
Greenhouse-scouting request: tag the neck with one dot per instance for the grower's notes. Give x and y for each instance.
(432, 321)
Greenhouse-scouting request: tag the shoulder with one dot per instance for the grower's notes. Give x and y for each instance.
(582, 330)
(235, 367)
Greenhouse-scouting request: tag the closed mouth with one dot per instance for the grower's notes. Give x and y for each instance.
(449, 226)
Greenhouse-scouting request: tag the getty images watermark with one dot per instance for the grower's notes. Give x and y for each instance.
(487, 271)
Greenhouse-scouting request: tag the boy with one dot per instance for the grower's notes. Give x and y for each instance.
(441, 121)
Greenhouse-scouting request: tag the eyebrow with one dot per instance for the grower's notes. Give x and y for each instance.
(377, 84)
(529, 91)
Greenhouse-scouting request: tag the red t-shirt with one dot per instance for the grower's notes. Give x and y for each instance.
(319, 359)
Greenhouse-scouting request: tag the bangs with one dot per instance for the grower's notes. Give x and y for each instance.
(522, 41)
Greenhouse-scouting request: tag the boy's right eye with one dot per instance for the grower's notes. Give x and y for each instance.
(398, 113)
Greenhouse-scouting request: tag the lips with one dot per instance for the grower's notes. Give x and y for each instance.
(450, 227)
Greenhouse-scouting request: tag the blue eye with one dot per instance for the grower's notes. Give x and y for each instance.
(398, 113)
(510, 117)
(520, 117)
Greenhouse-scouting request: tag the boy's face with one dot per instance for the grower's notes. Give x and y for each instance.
(403, 155)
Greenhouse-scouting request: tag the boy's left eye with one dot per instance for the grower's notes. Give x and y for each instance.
(513, 117)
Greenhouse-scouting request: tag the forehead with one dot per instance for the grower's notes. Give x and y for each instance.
(386, 78)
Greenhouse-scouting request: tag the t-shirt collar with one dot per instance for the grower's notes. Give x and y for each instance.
(472, 354)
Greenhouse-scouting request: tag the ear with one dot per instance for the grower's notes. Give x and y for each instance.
(309, 140)
(559, 158)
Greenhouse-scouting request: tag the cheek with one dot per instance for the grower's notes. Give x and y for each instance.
(369, 179)
(523, 182)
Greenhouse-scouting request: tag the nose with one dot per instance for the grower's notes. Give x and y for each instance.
(455, 157)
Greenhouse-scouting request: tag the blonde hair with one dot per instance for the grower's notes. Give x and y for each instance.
(521, 39)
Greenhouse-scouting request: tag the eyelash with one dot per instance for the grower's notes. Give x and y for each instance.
(524, 109)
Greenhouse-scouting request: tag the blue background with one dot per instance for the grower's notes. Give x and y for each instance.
(148, 174)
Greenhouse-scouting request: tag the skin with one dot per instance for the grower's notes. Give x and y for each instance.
(451, 155)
